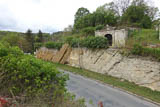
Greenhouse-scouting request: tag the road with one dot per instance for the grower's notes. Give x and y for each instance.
(93, 92)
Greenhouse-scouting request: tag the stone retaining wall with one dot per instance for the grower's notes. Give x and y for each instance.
(138, 70)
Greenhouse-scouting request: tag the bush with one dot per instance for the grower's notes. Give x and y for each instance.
(89, 31)
(142, 51)
(34, 82)
(137, 49)
(99, 27)
(88, 42)
(53, 45)
(74, 42)
(38, 45)
(95, 42)
(24, 75)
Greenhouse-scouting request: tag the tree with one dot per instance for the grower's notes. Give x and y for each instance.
(85, 21)
(16, 40)
(140, 14)
(81, 12)
(30, 39)
(150, 10)
(120, 6)
(106, 15)
(40, 36)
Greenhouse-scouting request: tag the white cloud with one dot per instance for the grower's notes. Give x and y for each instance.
(42, 14)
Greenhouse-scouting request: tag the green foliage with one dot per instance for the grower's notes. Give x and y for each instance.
(40, 36)
(53, 45)
(81, 12)
(30, 39)
(96, 18)
(135, 13)
(143, 37)
(16, 40)
(7, 50)
(95, 42)
(99, 27)
(88, 31)
(88, 42)
(25, 75)
(38, 45)
(73, 41)
(142, 51)
(137, 49)
(83, 22)
(140, 14)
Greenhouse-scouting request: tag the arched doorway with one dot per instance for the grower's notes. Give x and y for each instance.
(109, 38)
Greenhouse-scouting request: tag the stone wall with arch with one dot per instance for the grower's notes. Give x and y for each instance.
(119, 37)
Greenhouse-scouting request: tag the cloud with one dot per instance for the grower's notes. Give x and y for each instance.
(47, 15)
(7, 19)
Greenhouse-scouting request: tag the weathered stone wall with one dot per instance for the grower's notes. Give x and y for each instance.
(54, 55)
(138, 70)
(118, 36)
(141, 71)
(46, 54)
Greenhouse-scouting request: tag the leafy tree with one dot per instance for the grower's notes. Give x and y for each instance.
(101, 16)
(30, 40)
(40, 36)
(137, 15)
(120, 6)
(81, 12)
(86, 21)
(15, 40)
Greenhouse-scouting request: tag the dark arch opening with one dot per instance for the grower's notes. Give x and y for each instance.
(109, 38)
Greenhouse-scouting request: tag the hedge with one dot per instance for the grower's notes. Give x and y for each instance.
(88, 42)
(53, 45)
(143, 51)
(24, 75)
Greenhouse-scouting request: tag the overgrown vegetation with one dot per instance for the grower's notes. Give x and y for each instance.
(144, 37)
(134, 13)
(142, 51)
(32, 80)
(88, 42)
(116, 82)
(53, 45)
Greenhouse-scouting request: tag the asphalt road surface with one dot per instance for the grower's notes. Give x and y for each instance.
(94, 92)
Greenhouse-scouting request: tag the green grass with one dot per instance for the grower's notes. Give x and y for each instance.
(143, 37)
(128, 86)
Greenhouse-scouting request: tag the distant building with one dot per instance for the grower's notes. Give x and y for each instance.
(116, 37)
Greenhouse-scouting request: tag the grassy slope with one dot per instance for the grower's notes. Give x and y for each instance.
(128, 86)
(143, 37)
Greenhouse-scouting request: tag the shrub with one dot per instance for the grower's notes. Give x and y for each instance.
(74, 42)
(99, 27)
(137, 49)
(32, 81)
(38, 45)
(89, 31)
(53, 45)
(95, 42)
(24, 75)
(142, 51)
(88, 42)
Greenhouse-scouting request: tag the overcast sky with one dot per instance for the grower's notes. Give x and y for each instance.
(47, 15)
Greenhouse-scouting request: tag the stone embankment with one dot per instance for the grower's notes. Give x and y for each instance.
(141, 71)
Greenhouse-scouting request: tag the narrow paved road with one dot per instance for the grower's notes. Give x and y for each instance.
(94, 92)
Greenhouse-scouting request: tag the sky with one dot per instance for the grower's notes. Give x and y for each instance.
(47, 15)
